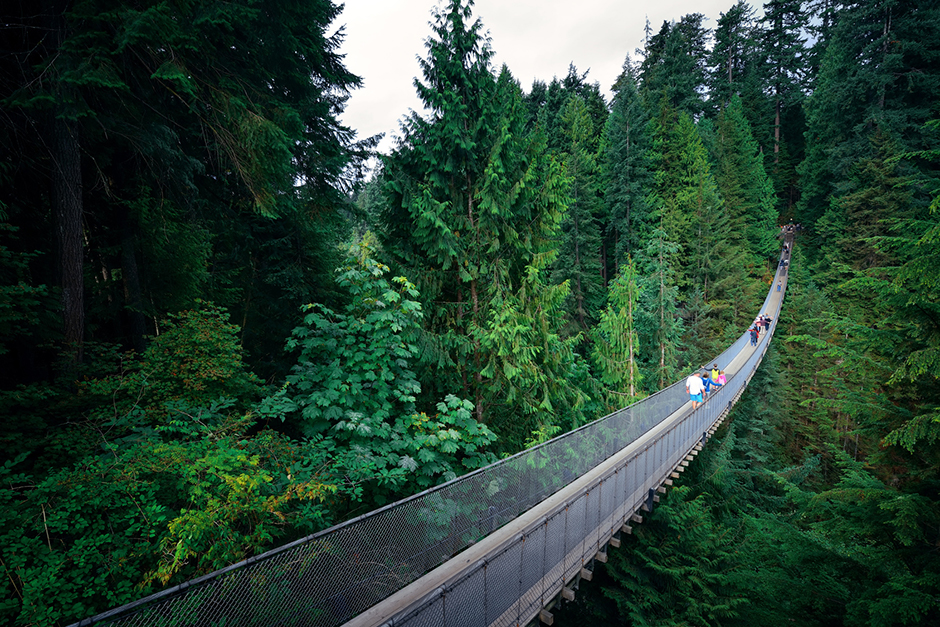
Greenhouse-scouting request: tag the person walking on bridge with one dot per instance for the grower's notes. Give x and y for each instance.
(694, 387)
(707, 385)
(754, 334)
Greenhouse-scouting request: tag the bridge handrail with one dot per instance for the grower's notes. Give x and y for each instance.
(511, 575)
(338, 573)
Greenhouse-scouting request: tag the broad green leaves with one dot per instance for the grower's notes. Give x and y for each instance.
(353, 385)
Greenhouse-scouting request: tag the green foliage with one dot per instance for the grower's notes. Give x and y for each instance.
(674, 64)
(192, 126)
(870, 77)
(627, 170)
(353, 385)
(745, 186)
(20, 300)
(475, 204)
(157, 506)
(196, 360)
(735, 61)
(659, 327)
(616, 340)
(579, 255)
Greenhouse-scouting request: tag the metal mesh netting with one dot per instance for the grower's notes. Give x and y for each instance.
(337, 574)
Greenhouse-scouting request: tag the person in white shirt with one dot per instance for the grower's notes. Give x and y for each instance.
(694, 386)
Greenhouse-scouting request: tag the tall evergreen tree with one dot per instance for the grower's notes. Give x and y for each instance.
(824, 16)
(783, 55)
(737, 67)
(616, 339)
(784, 21)
(659, 293)
(627, 170)
(170, 121)
(545, 106)
(475, 203)
(744, 184)
(674, 63)
(579, 258)
(878, 72)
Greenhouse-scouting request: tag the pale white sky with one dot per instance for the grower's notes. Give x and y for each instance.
(536, 39)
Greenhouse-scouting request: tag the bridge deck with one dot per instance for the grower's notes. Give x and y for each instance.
(531, 600)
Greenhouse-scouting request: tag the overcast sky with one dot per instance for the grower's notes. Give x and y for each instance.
(536, 39)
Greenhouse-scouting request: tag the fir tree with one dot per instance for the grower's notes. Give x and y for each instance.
(745, 186)
(170, 122)
(616, 339)
(877, 73)
(737, 69)
(674, 64)
(475, 204)
(579, 258)
(627, 170)
(663, 329)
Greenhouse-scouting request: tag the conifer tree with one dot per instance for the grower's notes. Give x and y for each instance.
(877, 72)
(616, 339)
(475, 203)
(782, 52)
(825, 14)
(744, 184)
(171, 122)
(737, 68)
(545, 106)
(659, 295)
(674, 64)
(627, 170)
(579, 258)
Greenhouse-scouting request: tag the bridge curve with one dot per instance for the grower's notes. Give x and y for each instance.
(491, 548)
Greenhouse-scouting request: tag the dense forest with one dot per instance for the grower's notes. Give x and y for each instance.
(219, 332)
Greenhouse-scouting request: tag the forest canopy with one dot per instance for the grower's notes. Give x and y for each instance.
(217, 334)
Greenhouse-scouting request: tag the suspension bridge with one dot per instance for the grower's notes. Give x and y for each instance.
(497, 547)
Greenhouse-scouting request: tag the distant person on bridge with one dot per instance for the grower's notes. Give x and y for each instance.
(765, 319)
(694, 386)
(722, 379)
(754, 335)
(778, 285)
(715, 373)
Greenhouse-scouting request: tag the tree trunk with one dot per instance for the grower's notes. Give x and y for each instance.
(777, 133)
(630, 364)
(67, 195)
(133, 298)
(67, 208)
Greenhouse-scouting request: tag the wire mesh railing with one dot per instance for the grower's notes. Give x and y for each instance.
(332, 576)
(512, 584)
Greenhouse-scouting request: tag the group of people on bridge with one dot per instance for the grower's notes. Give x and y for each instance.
(700, 384)
(761, 323)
